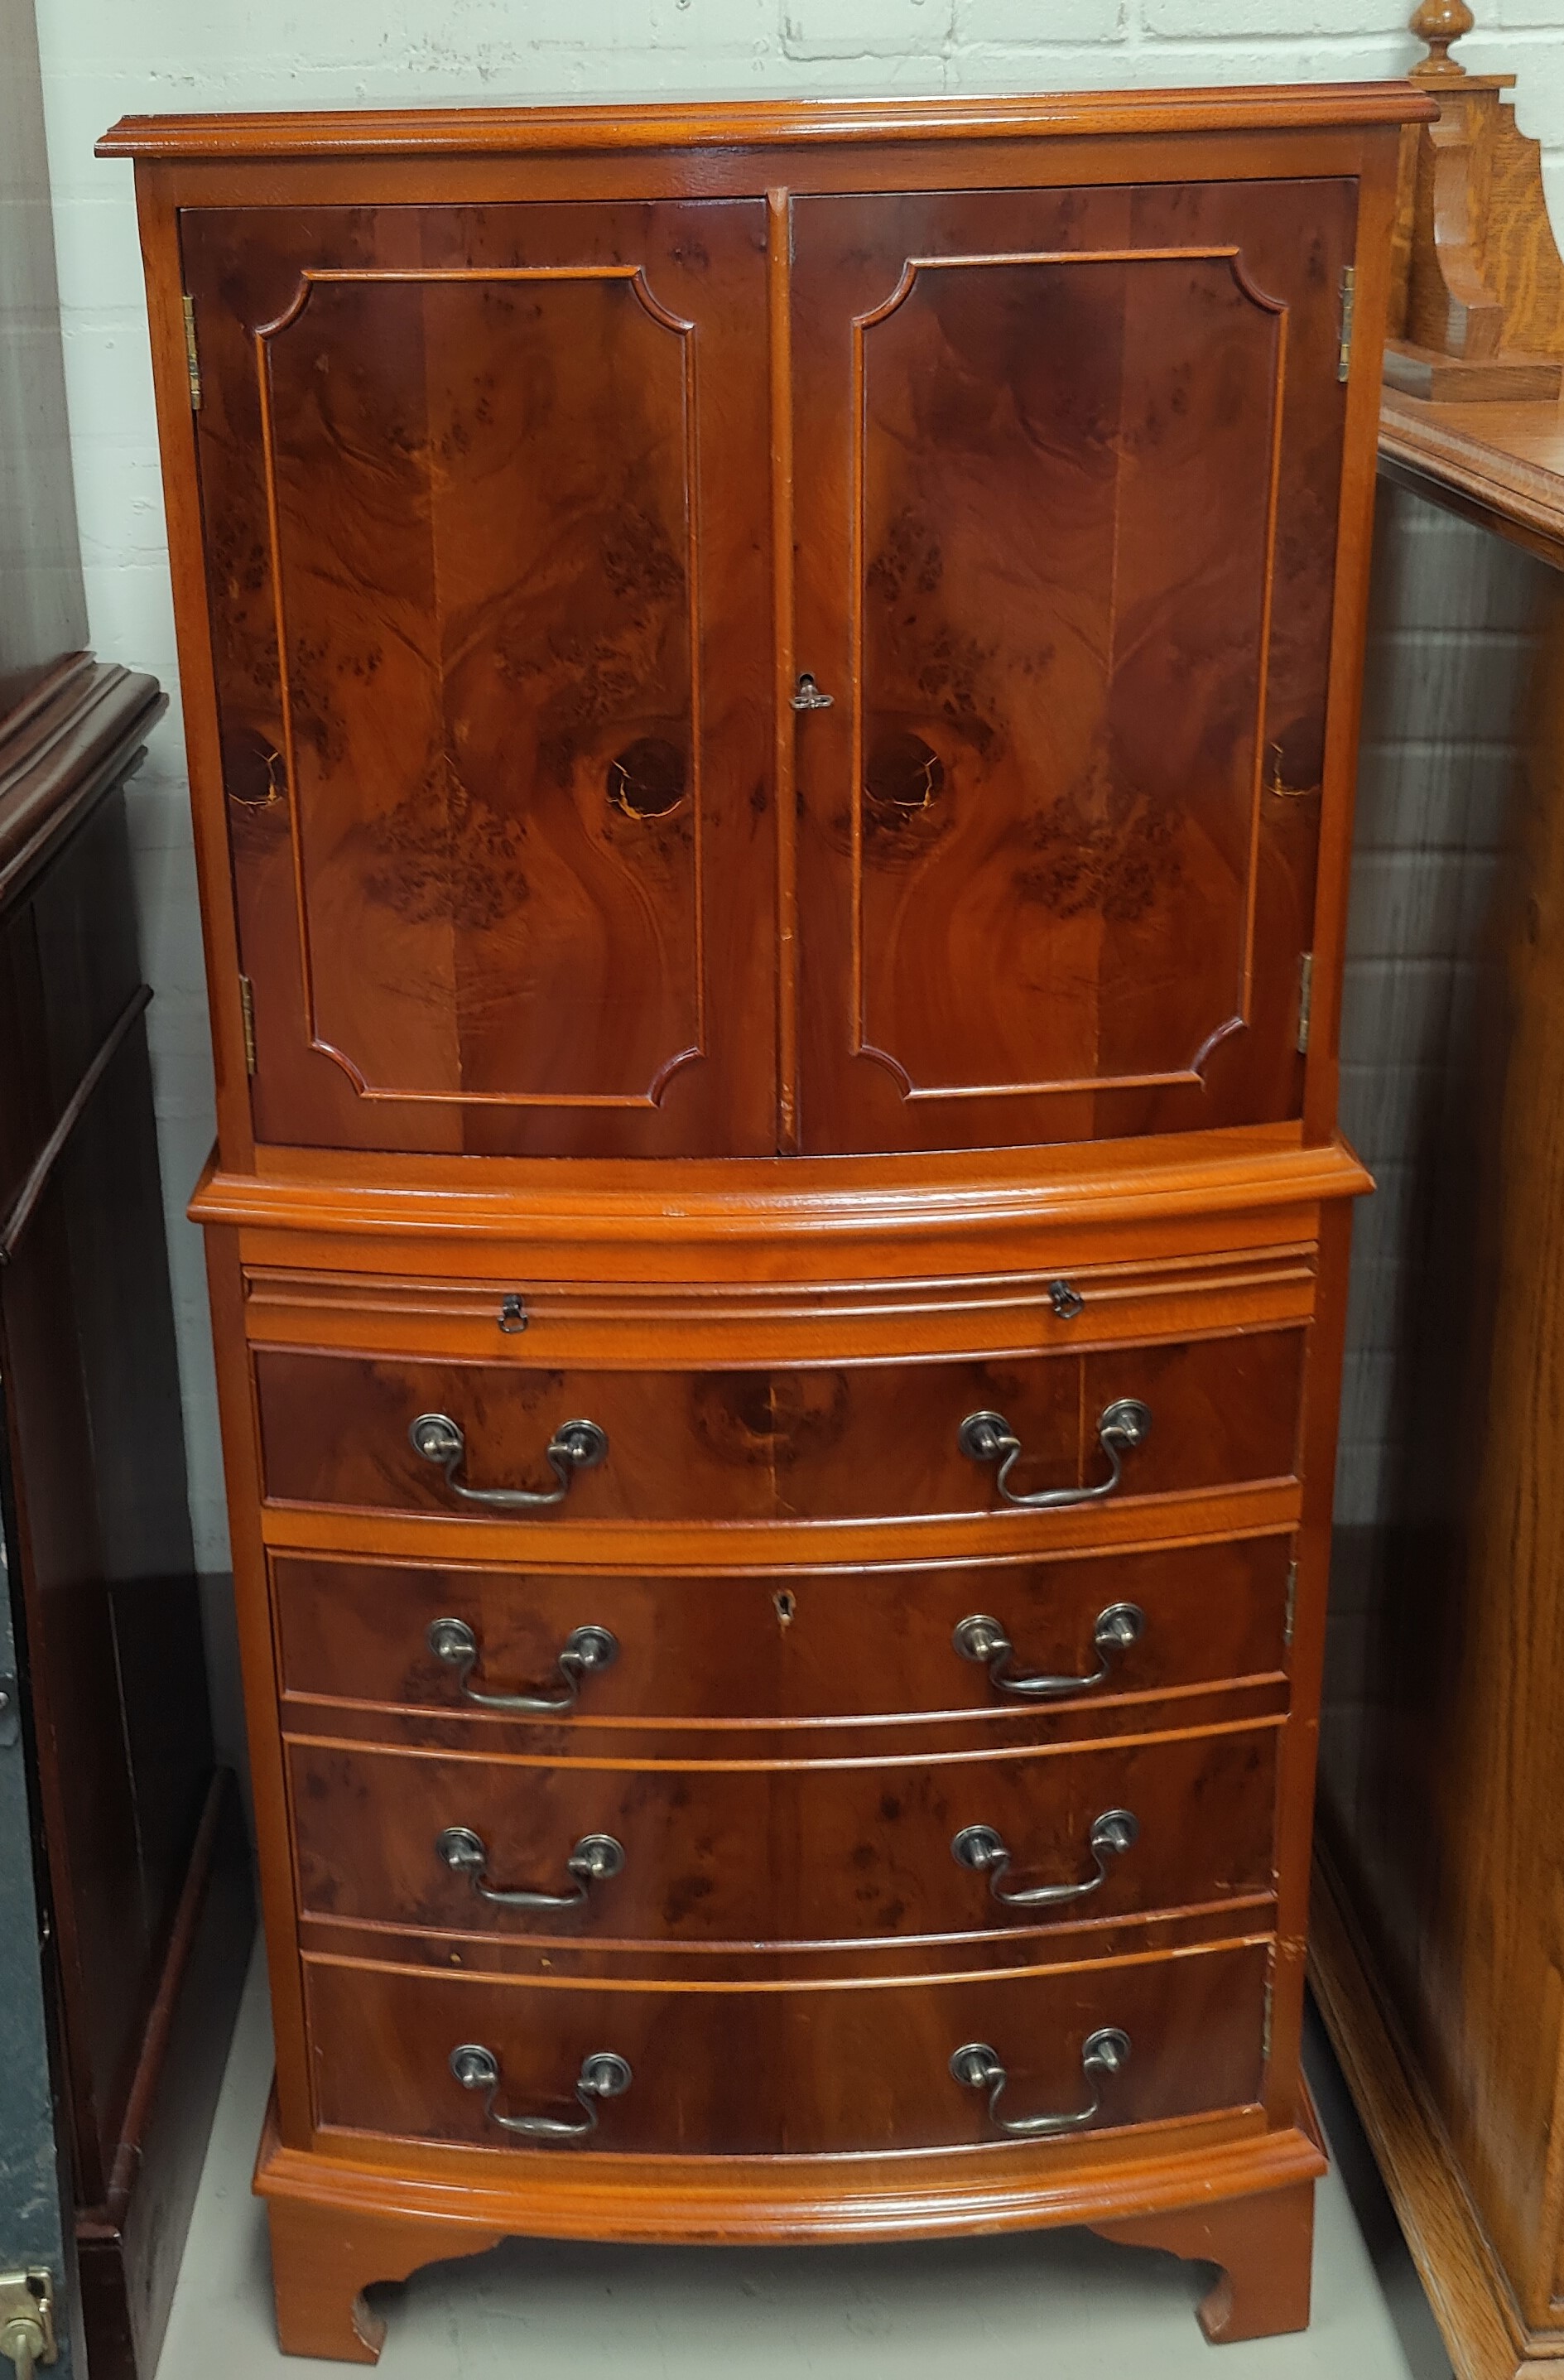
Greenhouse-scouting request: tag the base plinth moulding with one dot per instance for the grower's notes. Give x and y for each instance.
(1245, 2204)
(1264, 2252)
(321, 2268)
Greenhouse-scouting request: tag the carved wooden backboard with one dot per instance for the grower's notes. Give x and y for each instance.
(489, 587)
(1066, 504)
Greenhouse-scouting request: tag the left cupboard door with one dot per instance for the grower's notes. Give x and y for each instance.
(485, 519)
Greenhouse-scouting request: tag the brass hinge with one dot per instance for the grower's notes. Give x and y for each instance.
(247, 1010)
(1266, 2024)
(27, 2318)
(1291, 1603)
(1348, 308)
(192, 361)
(1305, 998)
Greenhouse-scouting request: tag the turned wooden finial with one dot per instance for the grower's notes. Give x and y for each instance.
(1440, 22)
(1477, 296)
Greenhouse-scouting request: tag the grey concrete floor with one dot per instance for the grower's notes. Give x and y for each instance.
(1060, 2304)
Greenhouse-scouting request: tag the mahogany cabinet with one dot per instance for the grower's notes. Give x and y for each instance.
(771, 696)
(128, 1834)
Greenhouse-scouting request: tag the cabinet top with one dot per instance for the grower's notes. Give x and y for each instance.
(477, 131)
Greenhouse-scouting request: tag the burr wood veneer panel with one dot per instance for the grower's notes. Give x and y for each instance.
(833, 1442)
(750, 1852)
(756, 2073)
(795, 1644)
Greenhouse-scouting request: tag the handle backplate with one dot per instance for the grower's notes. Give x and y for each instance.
(575, 1446)
(583, 1650)
(981, 1638)
(593, 1860)
(979, 2068)
(988, 1438)
(604, 2075)
(985, 1850)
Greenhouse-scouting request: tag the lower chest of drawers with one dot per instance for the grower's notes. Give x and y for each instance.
(657, 1773)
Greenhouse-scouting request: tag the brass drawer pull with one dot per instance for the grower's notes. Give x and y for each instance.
(978, 2069)
(985, 1850)
(988, 1438)
(604, 2076)
(575, 1446)
(583, 1650)
(979, 1638)
(593, 1860)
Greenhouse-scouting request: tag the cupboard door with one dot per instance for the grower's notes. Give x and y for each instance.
(490, 591)
(1066, 519)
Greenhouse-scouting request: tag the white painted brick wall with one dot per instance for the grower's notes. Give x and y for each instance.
(104, 58)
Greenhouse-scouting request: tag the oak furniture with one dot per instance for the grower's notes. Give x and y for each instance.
(772, 694)
(125, 1909)
(1435, 1956)
(1478, 294)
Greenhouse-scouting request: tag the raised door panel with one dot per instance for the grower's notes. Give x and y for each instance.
(1066, 512)
(491, 616)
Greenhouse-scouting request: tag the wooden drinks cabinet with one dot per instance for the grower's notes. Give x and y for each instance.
(771, 694)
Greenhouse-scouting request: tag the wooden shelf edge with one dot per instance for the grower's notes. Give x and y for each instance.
(475, 131)
(791, 2201)
(434, 1538)
(1452, 464)
(77, 734)
(792, 1198)
(1472, 2302)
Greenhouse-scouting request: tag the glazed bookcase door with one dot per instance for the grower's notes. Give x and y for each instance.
(1066, 508)
(490, 600)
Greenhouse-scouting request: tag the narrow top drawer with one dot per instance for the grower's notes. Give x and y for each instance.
(506, 1318)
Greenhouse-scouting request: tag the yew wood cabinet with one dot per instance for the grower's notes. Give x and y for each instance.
(772, 694)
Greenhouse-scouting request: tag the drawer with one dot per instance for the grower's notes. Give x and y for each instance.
(513, 1319)
(795, 1644)
(872, 1440)
(753, 1852)
(802, 2070)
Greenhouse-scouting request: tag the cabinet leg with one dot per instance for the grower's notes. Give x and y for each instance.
(323, 2259)
(1264, 2245)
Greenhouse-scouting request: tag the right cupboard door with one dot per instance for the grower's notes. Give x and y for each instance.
(1065, 489)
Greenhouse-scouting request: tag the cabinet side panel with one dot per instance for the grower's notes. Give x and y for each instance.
(1440, 1749)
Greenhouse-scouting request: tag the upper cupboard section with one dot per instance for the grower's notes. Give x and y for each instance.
(488, 501)
(1068, 469)
(484, 511)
